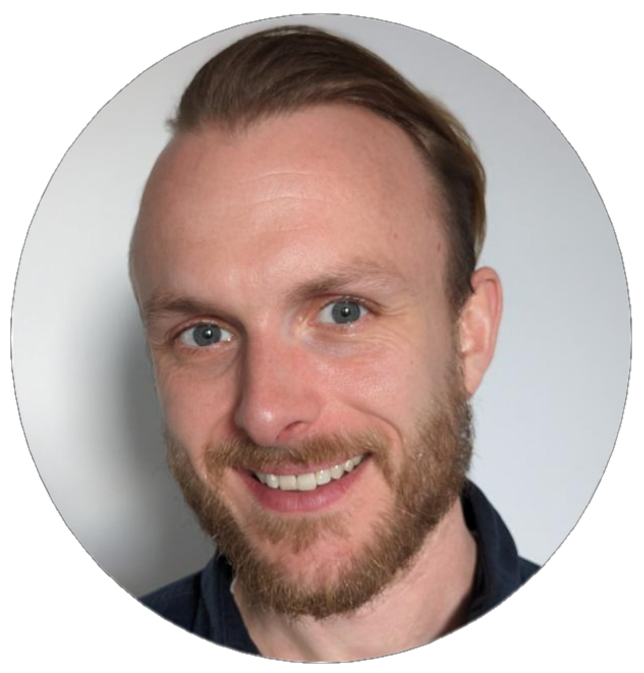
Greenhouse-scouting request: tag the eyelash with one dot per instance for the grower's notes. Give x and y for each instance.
(356, 300)
(176, 335)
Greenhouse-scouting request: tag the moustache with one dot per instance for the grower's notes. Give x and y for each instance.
(328, 450)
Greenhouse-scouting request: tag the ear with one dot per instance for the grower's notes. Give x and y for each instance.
(479, 326)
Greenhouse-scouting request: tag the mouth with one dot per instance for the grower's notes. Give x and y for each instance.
(308, 481)
(286, 490)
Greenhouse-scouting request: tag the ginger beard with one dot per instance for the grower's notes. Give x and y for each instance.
(431, 477)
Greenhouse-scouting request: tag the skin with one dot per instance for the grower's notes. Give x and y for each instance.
(259, 232)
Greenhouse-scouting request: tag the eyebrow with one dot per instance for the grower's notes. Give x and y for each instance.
(365, 274)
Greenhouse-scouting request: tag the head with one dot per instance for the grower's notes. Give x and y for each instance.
(304, 261)
(279, 71)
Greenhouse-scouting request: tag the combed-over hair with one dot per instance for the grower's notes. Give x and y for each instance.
(285, 69)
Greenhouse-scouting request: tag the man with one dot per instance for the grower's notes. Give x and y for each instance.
(304, 262)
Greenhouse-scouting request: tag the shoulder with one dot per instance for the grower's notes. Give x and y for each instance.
(527, 569)
(202, 604)
(177, 602)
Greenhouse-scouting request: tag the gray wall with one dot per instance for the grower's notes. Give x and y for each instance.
(547, 414)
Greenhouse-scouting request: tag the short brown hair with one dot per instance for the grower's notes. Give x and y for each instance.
(288, 68)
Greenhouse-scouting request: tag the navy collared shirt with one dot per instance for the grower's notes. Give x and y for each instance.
(203, 603)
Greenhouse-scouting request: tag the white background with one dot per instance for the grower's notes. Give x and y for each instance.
(548, 411)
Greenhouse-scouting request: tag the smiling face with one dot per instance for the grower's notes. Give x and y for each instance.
(291, 281)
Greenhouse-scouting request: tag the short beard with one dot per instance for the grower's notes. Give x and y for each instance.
(431, 478)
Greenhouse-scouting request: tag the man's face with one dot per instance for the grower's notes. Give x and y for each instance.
(291, 279)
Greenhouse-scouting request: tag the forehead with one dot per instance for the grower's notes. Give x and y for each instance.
(290, 193)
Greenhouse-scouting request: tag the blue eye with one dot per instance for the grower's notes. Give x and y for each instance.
(204, 335)
(342, 312)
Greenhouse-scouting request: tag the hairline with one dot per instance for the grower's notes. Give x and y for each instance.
(235, 128)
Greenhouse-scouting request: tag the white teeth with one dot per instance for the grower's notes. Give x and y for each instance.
(288, 482)
(322, 477)
(337, 471)
(308, 481)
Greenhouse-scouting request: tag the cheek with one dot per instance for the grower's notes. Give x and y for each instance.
(195, 406)
(393, 383)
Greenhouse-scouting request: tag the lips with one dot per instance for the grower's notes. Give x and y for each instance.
(303, 492)
(308, 481)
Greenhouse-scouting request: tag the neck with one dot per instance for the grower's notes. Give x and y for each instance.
(430, 600)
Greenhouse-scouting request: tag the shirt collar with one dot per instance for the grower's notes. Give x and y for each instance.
(498, 567)
(498, 574)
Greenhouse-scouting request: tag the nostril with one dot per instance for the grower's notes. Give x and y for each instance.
(291, 431)
(275, 405)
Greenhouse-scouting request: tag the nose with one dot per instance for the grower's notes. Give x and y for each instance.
(278, 401)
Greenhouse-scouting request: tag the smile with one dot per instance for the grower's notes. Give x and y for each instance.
(308, 481)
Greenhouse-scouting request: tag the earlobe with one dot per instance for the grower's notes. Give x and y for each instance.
(479, 326)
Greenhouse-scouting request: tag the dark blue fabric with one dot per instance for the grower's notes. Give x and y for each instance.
(202, 603)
